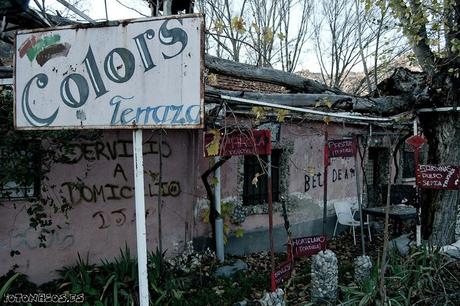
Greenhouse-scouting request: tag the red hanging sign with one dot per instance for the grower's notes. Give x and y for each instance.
(438, 177)
(282, 272)
(238, 142)
(308, 246)
(341, 147)
(415, 141)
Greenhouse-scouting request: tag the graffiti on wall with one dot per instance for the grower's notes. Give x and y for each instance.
(338, 175)
(111, 150)
(117, 217)
(79, 192)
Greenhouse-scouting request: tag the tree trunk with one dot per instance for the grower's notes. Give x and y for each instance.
(292, 81)
(440, 208)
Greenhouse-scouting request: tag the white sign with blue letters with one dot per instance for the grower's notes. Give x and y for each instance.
(145, 73)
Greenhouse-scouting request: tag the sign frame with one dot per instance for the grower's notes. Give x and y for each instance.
(107, 126)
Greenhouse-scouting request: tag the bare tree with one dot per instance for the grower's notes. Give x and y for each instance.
(348, 37)
(226, 27)
(291, 46)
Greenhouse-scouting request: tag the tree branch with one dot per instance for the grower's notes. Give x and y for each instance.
(212, 205)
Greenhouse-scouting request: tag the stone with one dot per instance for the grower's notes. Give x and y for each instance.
(402, 244)
(363, 268)
(452, 250)
(241, 303)
(275, 298)
(230, 270)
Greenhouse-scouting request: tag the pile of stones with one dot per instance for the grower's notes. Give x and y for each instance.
(275, 298)
(324, 277)
(239, 214)
(363, 267)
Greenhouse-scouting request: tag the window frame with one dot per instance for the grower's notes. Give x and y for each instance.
(258, 195)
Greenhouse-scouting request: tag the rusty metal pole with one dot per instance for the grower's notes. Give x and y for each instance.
(270, 222)
(160, 191)
(418, 223)
(326, 164)
(418, 226)
(358, 194)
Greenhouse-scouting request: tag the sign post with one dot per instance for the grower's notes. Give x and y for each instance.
(326, 164)
(142, 74)
(416, 142)
(141, 234)
(358, 194)
(270, 219)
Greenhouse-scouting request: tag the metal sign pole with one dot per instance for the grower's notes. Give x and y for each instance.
(358, 194)
(219, 222)
(416, 143)
(270, 221)
(141, 235)
(160, 191)
(326, 164)
(418, 227)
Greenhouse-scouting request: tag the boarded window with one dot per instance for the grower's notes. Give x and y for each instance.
(258, 194)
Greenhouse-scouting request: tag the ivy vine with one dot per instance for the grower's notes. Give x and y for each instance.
(26, 158)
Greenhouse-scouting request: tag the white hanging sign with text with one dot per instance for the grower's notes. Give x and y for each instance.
(146, 73)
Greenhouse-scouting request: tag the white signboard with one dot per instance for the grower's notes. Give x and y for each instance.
(135, 74)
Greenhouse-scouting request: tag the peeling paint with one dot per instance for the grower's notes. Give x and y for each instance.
(59, 50)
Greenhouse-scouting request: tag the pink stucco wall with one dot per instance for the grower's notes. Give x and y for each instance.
(102, 218)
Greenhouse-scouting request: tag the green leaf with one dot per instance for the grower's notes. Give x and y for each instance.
(281, 115)
(239, 232)
(7, 285)
(214, 181)
(213, 147)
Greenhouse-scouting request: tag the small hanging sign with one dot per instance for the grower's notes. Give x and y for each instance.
(283, 272)
(237, 142)
(438, 177)
(308, 246)
(341, 148)
(415, 141)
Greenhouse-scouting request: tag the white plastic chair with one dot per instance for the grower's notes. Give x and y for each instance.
(344, 213)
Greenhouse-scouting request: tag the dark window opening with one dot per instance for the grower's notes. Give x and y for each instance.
(258, 194)
(408, 164)
(19, 170)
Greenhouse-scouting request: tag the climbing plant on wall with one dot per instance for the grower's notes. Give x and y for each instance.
(26, 160)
